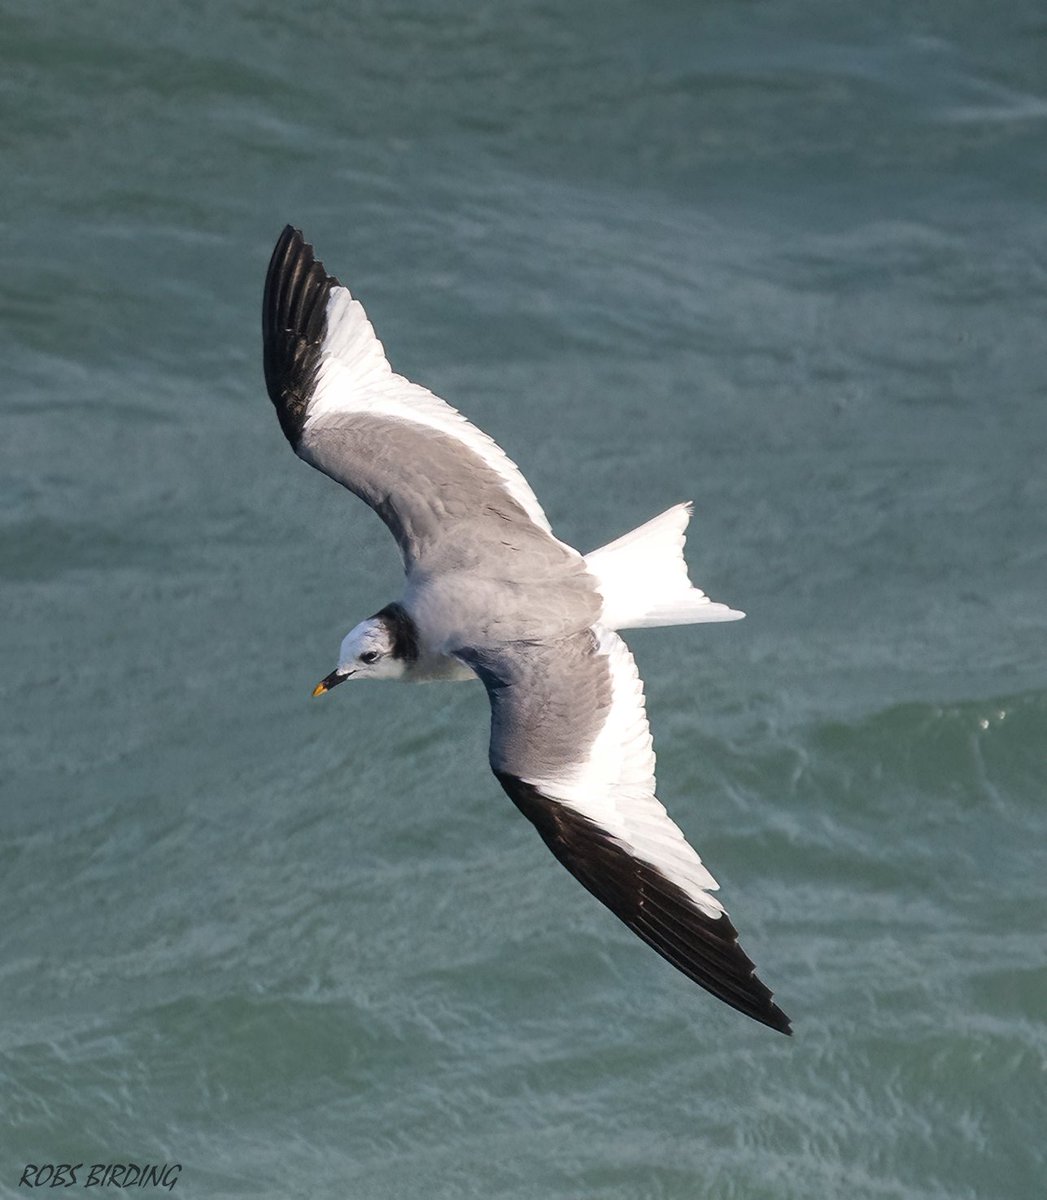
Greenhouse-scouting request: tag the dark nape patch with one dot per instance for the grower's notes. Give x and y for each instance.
(403, 631)
(703, 948)
(294, 324)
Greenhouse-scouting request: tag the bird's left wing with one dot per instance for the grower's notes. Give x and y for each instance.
(417, 461)
(571, 746)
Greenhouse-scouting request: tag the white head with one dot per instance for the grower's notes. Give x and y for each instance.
(382, 647)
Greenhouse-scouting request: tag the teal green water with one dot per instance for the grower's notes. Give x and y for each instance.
(786, 260)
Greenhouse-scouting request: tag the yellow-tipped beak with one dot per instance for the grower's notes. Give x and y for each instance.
(330, 681)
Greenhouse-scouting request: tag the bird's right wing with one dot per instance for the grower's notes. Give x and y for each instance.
(571, 746)
(415, 460)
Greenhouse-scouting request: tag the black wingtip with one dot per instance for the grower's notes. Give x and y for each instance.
(294, 324)
(703, 948)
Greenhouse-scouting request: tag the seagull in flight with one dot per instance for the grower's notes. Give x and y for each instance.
(491, 593)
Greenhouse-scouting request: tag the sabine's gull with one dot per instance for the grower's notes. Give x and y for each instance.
(491, 592)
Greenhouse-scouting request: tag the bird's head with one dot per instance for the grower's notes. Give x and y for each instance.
(378, 648)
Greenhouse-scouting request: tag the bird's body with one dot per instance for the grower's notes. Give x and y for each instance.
(490, 592)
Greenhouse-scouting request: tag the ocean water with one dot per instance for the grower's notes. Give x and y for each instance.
(786, 260)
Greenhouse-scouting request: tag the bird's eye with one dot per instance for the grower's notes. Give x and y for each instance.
(369, 656)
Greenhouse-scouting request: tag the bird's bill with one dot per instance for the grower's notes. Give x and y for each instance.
(330, 681)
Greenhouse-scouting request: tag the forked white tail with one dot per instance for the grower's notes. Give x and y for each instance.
(642, 577)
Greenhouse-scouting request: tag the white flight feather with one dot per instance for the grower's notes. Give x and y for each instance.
(615, 785)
